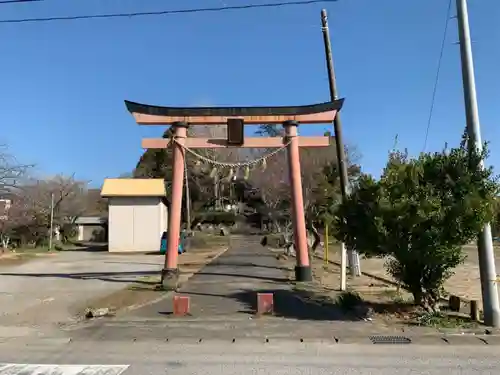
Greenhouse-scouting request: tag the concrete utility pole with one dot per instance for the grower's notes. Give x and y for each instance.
(354, 265)
(486, 254)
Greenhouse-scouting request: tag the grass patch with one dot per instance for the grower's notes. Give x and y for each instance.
(149, 279)
(443, 320)
(304, 286)
(396, 296)
(30, 250)
(66, 246)
(348, 301)
(22, 255)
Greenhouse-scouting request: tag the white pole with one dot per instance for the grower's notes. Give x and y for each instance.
(51, 220)
(343, 267)
(487, 269)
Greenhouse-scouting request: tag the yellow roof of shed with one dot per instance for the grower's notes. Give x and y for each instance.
(133, 187)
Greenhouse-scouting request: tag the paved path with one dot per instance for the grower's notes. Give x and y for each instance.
(229, 285)
(223, 297)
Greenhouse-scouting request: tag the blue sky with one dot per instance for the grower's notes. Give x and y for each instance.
(63, 83)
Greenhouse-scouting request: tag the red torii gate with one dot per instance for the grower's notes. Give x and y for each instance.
(180, 118)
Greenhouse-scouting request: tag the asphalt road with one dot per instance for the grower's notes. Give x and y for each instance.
(49, 290)
(222, 358)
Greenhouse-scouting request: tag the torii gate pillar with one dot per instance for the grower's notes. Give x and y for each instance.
(303, 268)
(170, 271)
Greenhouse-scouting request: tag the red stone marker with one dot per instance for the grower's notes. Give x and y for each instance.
(265, 303)
(181, 305)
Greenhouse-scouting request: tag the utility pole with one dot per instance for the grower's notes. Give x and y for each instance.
(51, 220)
(188, 200)
(486, 253)
(354, 265)
(216, 190)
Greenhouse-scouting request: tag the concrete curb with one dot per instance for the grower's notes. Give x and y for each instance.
(424, 340)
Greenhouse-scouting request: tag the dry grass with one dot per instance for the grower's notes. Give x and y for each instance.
(23, 255)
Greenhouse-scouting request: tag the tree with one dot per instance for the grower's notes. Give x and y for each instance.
(320, 178)
(205, 184)
(211, 181)
(419, 215)
(95, 204)
(155, 163)
(271, 179)
(70, 198)
(30, 213)
(495, 224)
(270, 130)
(12, 219)
(327, 194)
(272, 182)
(12, 172)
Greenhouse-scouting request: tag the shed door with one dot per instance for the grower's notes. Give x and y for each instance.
(146, 224)
(121, 230)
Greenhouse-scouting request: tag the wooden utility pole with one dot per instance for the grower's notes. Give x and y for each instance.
(188, 199)
(354, 265)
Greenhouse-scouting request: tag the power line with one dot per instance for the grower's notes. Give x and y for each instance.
(166, 12)
(17, 1)
(440, 60)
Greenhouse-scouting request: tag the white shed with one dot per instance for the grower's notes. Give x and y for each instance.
(137, 214)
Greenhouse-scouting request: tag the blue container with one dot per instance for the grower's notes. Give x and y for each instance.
(163, 243)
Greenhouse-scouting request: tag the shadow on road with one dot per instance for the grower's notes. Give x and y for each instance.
(248, 264)
(290, 304)
(88, 247)
(242, 276)
(115, 277)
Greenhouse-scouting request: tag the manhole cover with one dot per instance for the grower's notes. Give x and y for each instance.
(390, 340)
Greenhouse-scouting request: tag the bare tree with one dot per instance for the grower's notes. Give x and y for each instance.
(15, 222)
(272, 181)
(69, 197)
(12, 172)
(33, 202)
(220, 176)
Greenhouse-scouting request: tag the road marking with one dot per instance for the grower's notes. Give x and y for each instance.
(39, 369)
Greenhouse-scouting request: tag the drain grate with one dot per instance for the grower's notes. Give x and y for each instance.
(390, 340)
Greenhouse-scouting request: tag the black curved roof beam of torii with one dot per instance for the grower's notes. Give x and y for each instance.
(320, 113)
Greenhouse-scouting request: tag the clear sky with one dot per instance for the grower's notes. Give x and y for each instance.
(62, 84)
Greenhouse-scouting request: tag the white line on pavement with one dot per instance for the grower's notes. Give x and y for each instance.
(39, 369)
